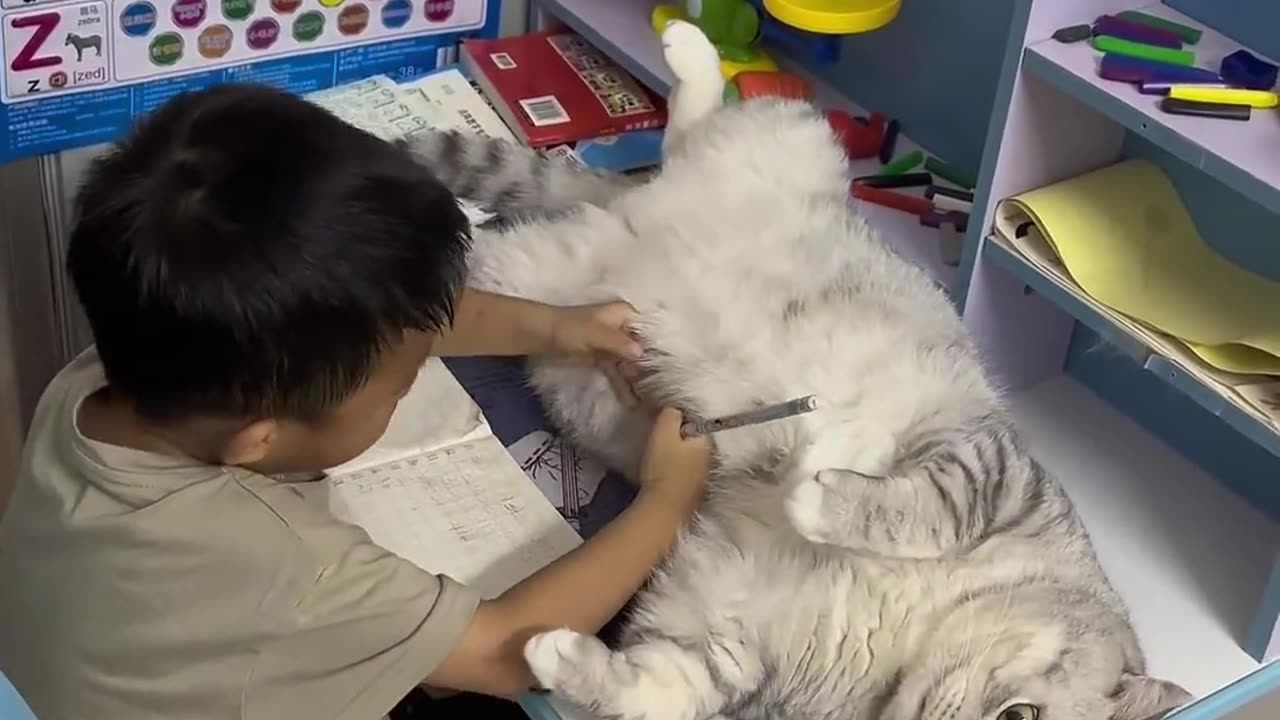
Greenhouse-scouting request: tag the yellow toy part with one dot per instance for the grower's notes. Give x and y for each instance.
(664, 14)
(834, 17)
(762, 62)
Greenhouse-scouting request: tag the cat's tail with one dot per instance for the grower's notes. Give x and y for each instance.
(508, 179)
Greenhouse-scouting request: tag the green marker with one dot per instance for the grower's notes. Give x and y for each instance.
(1106, 43)
(950, 174)
(1189, 35)
(903, 163)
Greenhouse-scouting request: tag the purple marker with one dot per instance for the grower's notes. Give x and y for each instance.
(1162, 88)
(1123, 68)
(1129, 30)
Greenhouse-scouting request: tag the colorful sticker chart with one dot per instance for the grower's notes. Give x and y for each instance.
(77, 72)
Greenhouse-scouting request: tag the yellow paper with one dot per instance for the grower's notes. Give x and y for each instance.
(1127, 239)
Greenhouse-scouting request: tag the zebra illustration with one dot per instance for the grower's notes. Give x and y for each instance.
(82, 43)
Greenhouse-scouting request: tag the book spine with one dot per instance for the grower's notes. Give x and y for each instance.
(474, 70)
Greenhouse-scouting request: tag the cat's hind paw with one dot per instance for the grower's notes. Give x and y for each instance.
(562, 655)
(688, 52)
(808, 507)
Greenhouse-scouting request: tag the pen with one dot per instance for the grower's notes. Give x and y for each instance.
(768, 413)
(888, 198)
(1176, 106)
(1162, 88)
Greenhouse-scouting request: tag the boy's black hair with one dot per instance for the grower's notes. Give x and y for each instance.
(245, 253)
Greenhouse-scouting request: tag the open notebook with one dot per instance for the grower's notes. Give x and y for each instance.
(439, 490)
(441, 100)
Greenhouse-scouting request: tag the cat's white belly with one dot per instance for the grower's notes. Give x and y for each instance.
(809, 610)
(818, 616)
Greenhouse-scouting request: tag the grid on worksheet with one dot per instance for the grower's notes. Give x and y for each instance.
(465, 510)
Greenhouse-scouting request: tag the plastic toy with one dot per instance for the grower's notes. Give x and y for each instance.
(1189, 35)
(834, 17)
(1108, 44)
(811, 49)
(1122, 68)
(860, 139)
(733, 26)
(1245, 70)
(890, 182)
(904, 163)
(755, 83)
(911, 204)
(1135, 31)
(950, 174)
(1222, 111)
(889, 143)
(1227, 96)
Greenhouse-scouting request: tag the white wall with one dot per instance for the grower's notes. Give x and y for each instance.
(31, 346)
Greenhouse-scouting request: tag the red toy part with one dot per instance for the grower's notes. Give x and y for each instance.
(764, 83)
(861, 140)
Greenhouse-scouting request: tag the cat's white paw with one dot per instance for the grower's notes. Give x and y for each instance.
(552, 654)
(688, 52)
(807, 508)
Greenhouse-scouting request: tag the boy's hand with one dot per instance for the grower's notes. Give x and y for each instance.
(675, 468)
(597, 336)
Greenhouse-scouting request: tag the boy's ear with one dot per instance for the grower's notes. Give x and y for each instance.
(250, 444)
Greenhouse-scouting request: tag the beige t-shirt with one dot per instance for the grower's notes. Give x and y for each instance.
(136, 586)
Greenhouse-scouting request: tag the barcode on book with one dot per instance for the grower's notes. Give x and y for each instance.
(502, 61)
(545, 110)
(563, 152)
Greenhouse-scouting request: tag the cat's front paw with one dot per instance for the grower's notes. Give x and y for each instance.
(688, 52)
(808, 507)
(559, 655)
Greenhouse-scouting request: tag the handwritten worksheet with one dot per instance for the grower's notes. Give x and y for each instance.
(457, 506)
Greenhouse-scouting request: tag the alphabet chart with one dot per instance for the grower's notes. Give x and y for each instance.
(78, 71)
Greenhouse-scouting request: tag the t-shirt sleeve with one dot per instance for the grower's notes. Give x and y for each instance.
(367, 627)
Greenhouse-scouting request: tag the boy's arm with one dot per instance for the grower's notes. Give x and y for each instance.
(587, 587)
(489, 324)
(581, 591)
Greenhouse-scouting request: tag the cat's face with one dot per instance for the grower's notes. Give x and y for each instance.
(1026, 675)
(1134, 697)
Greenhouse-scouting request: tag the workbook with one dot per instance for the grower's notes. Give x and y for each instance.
(443, 100)
(439, 490)
(554, 88)
(1077, 235)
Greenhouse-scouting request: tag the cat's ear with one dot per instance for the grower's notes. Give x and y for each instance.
(1141, 697)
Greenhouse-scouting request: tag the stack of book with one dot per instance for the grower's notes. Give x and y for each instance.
(556, 91)
(551, 91)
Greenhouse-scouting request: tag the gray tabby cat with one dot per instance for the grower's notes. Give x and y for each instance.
(896, 555)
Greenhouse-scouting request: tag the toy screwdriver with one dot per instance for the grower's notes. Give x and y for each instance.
(768, 413)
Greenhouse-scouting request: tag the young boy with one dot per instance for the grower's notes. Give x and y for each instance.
(263, 283)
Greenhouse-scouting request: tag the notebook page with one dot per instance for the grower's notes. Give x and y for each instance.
(436, 412)
(464, 510)
(390, 111)
(439, 490)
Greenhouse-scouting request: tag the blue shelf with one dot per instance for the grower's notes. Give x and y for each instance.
(1244, 156)
(1207, 397)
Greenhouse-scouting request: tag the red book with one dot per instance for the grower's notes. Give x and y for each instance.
(553, 88)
